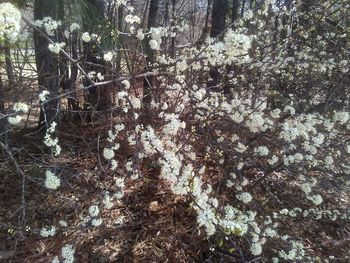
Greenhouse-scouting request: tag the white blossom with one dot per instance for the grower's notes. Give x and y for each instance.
(126, 84)
(10, 18)
(55, 260)
(52, 181)
(108, 153)
(316, 199)
(86, 37)
(67, 252)
(50, 25)
(48, 232)
(262, 150)
(94, 210)
(73, 27)
(14, 120)
(56, 47)
(108, 56)
(245, 197)
(43, 95)
(131, 19)
(96, 222)
(140, 35)
(21, 107)
(154, 44)
(256, 249)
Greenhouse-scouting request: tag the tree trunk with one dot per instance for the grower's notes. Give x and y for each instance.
(98, 98)
(230, 68)
(120, 25)
(242, 7)
(3, 121)
(235, 12)
(150, 58)
(205, 30)
(9, 67)
(172, 47)
(218, 18)
(47, 64)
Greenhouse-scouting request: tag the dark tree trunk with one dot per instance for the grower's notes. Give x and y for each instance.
(98, 98)
(172, 47)
(47, 64)
(235, 12)
(72, 101)
(230, 68)
(150, 58)
(205, 30)
(9, 67)
(242, 7)
(218, 18)
(3, 121)
(120, 25)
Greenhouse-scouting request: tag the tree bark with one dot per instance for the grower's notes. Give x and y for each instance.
(47, 64)
(150, 58)
(9, 67)
(218, 19)
(98, 98)
(3, 121)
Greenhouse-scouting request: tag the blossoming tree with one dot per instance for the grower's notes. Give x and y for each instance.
(230, 125)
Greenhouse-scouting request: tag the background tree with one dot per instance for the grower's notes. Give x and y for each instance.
(46, 63)
(218, 23)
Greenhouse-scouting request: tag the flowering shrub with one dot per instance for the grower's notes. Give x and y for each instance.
(9, 23)
(219, 145)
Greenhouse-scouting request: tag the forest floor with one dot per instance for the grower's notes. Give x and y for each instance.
(150, 224)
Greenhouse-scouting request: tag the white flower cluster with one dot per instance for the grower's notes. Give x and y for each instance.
(256, 249)
(50, 141)
(20, 107)
(108, 56)
(52, 181)
(204, 206)
(107, 200)
(108, 152)
(118, 194)
(48, 232)
(14, 120)
(156, 37)
(245, 197)
(48, 24)
(94, 211)
(67, 253)
(316, 199)
(237, 46)
(43, 96)
(262, 150)
(74, 27)
(173, 125)
(93, 75)
(132, 19)
(140, 35)
(256, 122)
(56, 47)
(86, 37)
(10, 18)
(126, 84)
(295, 254)
(342, 117)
